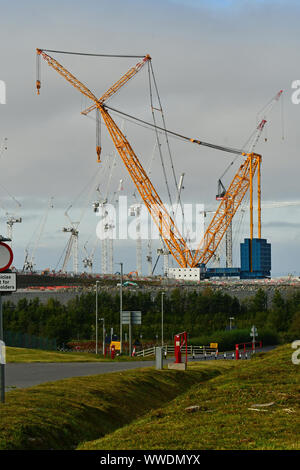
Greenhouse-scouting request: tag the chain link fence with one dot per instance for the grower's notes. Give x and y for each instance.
(24, 340)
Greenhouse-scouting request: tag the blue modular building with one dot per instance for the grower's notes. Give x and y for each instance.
(261, 262)
(261, 259)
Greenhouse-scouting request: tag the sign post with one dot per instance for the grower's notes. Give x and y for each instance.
(2, 362)
(7, 284)
(131, 318)
(253, 333)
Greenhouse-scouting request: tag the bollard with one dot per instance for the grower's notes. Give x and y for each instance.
(225, 355)
(177, 349)
(159, 358)
(236, 351)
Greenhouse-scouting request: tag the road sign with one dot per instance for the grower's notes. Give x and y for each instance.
(8, 282)
(133, 318)
(116, 344)
(253, 332)
(2, 353)
(6, 256)
(214, 345)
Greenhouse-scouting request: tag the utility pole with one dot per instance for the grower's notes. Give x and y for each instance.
(96, 317)
(103, 337)
(121, 304)
(162, 318)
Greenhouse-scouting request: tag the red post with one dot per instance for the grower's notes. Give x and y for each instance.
(177, 350)
(237, 352)
(113, 352)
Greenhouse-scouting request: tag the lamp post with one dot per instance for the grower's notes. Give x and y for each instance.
(96, 349)
(162, 318)
(103, 340)
(121, 303)
(230, 325)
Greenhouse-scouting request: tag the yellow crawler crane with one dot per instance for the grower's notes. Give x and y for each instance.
(242, 181)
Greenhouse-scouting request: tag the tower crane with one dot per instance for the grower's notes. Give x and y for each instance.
(29, 261)
(242, 181)
(135, 210)
(250, 145)
(72, 245)
(88, 261)
(10, 223)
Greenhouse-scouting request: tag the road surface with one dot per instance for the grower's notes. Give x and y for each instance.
(20, 375)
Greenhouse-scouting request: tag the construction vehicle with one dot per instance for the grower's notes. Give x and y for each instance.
(231, 201)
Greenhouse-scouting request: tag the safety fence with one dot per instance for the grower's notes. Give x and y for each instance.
(192, 351)
(24, 340)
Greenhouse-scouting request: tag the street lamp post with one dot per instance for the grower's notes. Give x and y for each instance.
(121, 304)
(97, 282)
(103, 338)
(162, 318)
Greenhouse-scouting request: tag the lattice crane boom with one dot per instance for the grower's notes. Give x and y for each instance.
(166, 225)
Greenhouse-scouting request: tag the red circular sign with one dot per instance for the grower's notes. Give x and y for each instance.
(6, 256)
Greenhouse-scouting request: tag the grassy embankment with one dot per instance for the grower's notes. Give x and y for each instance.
(62, 414)
(146, 409)
(254, 405)
(36, 355)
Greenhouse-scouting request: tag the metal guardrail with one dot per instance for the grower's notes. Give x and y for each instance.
(169, 350)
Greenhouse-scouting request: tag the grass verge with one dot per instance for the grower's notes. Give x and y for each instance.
(37, 355)
(255, 405)
(62, 414)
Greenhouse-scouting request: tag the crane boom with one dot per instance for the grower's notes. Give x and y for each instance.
(116, 86)
(154, 204)
(166, 225)
(226, 210)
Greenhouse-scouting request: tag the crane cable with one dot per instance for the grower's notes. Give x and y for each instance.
(157, 138)
(95, 55)
(176, 134)
(150, 68)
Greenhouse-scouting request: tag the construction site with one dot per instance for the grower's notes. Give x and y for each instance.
(232, 252)
(149, 231)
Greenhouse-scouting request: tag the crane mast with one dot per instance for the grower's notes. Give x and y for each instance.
(242, 181)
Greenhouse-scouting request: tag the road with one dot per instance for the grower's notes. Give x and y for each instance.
(20, 375)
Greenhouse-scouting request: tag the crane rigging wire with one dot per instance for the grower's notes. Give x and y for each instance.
(176, 134)
(95, 55)
(157, 139)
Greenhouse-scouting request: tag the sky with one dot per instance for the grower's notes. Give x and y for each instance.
(216, 64)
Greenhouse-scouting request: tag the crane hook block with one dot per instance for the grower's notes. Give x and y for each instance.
(38, 86)
(98, 150)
